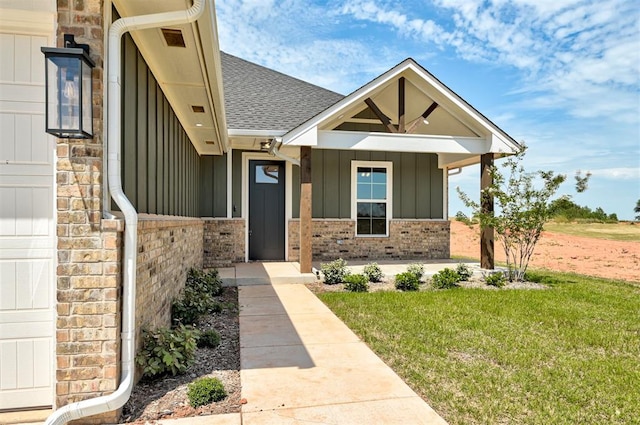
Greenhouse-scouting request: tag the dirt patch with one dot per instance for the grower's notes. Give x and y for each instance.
(561, 252)
(166, 397)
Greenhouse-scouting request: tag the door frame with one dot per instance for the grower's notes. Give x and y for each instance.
(42, 23)
(288, 213)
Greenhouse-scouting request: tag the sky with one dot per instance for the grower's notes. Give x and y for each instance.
(562, 76)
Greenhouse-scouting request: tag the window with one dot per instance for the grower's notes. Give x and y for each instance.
(371, 183)
(267, 174)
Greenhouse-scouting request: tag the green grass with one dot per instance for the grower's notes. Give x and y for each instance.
(623, 231)
(566, 355)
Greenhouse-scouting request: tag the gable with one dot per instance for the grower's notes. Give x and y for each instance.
(405, 109)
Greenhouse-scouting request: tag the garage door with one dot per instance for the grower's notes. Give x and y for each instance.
(26, 227)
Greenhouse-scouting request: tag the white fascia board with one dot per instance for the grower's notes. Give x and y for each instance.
(309, 137)
(501, 145)
(213, 72)
(400, 142)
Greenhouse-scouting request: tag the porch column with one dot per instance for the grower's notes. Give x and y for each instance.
(305, 209)
(487, 260)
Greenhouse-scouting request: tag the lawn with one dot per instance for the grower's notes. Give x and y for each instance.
(623, 231)
(566, 355)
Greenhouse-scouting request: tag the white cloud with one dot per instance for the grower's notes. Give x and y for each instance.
(621, 173)
(295, 37)
(578, 55)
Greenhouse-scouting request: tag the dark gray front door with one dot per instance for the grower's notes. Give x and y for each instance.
(266, 210)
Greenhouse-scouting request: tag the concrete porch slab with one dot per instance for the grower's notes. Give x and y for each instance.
(264, 273)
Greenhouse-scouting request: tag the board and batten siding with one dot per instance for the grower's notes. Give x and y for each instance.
(161, 168)
(417, 183)
(213, 186)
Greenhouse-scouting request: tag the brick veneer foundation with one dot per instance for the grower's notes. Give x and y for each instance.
(408, 240)
(224, 241)
(167, 248)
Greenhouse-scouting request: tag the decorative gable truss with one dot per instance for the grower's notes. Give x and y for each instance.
(406, 109)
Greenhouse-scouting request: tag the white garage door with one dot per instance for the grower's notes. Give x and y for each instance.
(26, 227)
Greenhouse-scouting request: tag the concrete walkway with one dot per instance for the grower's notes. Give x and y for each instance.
(301, 364)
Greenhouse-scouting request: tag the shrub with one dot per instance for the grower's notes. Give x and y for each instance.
(193, 304)
(335, 271)
(416, 269)
(464, 271)
(205, 282)
(373, 272)
(205, 391)
(167, 350)
(210, 339)
(445, 279)
(356, 283)
(496, 279)
(407, 281)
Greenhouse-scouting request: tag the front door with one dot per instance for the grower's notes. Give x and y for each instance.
(266, 210)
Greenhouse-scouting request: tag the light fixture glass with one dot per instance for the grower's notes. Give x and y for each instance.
(69, 112)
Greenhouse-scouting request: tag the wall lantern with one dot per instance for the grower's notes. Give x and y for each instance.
(69, 112)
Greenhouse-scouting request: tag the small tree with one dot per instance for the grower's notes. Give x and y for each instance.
(524, 207)
(637, 210)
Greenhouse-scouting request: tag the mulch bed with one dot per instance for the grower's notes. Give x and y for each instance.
(166, 397)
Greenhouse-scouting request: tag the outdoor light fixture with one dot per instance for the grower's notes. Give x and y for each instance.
(69, 112)
(265, 146)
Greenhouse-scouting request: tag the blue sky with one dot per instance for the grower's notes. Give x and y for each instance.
(561, 75)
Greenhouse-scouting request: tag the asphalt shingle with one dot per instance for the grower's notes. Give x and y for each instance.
(259, 98)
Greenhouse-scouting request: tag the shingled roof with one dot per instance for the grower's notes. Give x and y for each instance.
(259, 98)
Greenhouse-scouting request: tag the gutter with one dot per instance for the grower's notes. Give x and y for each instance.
(120, 396)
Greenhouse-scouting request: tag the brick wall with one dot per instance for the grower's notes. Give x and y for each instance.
(88, 273)
(167, 248)
(408, 240)
(224, 242)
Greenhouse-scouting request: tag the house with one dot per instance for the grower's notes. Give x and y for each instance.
(197, 158)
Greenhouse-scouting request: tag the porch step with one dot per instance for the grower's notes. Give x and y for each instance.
(267, 273)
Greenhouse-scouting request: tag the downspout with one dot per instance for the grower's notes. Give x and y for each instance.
(120, 396)
(277, 142)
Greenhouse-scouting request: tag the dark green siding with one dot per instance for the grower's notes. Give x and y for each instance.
(213, 189)
(417, 183)
(236, 178)
(161, 168)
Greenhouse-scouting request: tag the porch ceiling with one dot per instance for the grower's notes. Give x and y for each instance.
(190, 76)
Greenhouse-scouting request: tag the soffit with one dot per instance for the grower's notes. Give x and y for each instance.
(189, 76)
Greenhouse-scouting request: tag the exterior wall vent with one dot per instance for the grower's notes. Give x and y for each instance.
(197, 109)
(209, 142)
(173, 37)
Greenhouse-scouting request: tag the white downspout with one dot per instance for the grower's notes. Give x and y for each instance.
(118, 398)
(275, 152)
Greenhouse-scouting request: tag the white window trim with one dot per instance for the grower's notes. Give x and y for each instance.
(354, 193)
